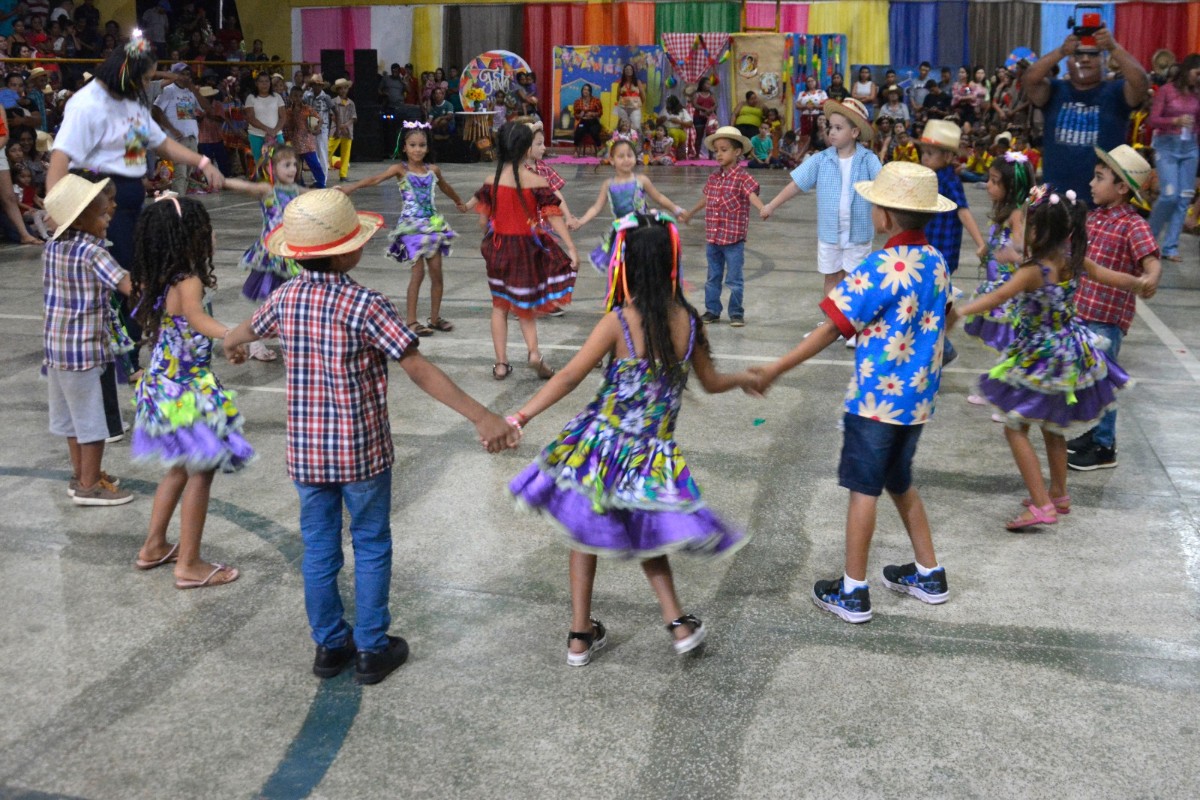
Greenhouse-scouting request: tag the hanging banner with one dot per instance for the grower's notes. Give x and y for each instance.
(492, 71)
(601, 67)
(693, 56)
(819, 54)
(759, 66)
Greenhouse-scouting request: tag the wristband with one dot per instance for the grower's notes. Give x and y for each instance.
(514, 422)
(204, 162)
(679, 212)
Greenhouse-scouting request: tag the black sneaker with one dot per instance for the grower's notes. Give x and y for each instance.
(852, 607)
(737, 322)
(1094, 457)
(708, 317)
(905, 579)
(330, 661)
(374, 667)
(1080, 442)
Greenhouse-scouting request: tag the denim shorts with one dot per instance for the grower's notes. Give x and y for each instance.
(877, 456)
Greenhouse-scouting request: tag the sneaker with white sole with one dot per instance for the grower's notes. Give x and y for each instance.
(853, 607)
(693, 640)
(73, 486)
(594, 639)
(907, 579)
(102, 494)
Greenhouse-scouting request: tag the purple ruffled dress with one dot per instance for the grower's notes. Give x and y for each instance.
(184, 417)
(614, 480)
(1054, 374)
(995, 326)
(420, 231)
(623, 198)
(268, 272)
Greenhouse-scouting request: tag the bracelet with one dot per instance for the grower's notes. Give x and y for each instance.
(204, 162)
(514, 422)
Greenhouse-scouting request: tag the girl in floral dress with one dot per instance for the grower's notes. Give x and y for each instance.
(185, 420)
(1054, 374)
(421, 235)
(614, 481)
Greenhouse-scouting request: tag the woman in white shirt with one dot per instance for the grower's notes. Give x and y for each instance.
(262, 115)
(865, 91)
(809, 102)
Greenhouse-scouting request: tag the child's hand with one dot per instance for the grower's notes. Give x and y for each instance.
(574, 224)
(494, 432)
(462, 208)
(234, 355)
(685, 217)
(1144, 287)
(766, 211)
(952, 318)
(343, 189)
(981, 251)
(748, 382)
(760, 381)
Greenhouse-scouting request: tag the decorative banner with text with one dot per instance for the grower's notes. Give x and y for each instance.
(601, 66)
(493, 71)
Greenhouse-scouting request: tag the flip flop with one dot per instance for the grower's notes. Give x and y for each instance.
(218, 569)
(171, 556)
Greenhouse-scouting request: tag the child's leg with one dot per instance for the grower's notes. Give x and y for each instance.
(832, 280)
(193, 511)
(860, 527)
(314, 164)
(716, 273)
(414, 290)
(658, 572)
(529, 333)
(582, 572)
(166, 497)
(435, 287)
(90, 456)
(1056, 454)
(1028, 464)
(916, 523)
(369, 503)
(500, 334)
(76, 455)
(321, 529)
(345, 149)
(735, 255)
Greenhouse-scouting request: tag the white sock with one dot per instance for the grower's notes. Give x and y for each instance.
(924, 570)
(851, 585)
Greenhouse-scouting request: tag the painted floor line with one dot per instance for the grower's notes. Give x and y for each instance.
(1182, 352)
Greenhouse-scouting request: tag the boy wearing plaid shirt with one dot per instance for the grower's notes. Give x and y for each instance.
(1119, 239)
(337, 337)
(728, 195)
(79, 275)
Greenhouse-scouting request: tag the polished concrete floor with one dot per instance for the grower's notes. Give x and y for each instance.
(1067, 663)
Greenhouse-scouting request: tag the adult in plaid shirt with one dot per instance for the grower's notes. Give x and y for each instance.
(1119, 239)
(336, 337)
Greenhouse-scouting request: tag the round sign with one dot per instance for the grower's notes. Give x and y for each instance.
(492, 71)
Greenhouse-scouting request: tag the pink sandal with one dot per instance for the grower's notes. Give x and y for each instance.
(1037, 515)
(1062, 505)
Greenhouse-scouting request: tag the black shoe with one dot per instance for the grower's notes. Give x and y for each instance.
(556, 311)
(708, 317)
(330, 661)
(1080, 442)
(1094, 457)
(374, 667)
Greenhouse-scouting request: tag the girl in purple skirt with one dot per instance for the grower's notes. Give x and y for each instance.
(185, 420)
(421, 235)
(1054, 373)
(614, 481)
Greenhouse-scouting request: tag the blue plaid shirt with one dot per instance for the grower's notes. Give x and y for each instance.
(823, 172)
(945, 231)
(77, 281)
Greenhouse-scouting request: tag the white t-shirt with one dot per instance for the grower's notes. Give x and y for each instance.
(180, 107)
(844, 201)
(107, 135)
(266, 111)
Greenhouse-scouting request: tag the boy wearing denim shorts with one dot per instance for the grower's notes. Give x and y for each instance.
(79, 276)
(337, 337)
(895, 302)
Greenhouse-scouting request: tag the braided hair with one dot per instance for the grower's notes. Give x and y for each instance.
(512, 144)
(171, 242)
(1056, 222)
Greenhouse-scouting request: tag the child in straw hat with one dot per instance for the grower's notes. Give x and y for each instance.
(895, 303)
(336, 337)
(341, 135)
(79, 277)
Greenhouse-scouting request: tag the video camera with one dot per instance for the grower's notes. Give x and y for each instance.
(1092, 22)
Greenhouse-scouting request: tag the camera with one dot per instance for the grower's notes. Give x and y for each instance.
(1091, 21)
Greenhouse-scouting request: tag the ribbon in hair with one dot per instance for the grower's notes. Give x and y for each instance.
(174, 198)
(618, 283)
(138, 47)
(1021, 174)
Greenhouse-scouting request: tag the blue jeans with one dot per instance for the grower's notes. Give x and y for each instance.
(1105, 434)
(1176, 163)
(370, 505)
(318, 172)
(724, 262)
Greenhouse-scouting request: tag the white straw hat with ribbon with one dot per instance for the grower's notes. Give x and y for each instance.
(854, 111)
(322, 223)
(904, 186)
(1129, 166)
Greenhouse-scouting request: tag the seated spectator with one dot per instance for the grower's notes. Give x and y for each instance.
(33, 212)
(762, 147)
(904, 149)
(441, 113)
(662, 147)
(587, 111)
(978, 164)
(937, 102)
(893, 107)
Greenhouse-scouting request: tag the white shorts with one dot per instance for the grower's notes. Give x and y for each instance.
(77, 404)
(832, 258)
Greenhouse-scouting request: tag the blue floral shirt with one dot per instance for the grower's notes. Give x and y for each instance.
(895, 302)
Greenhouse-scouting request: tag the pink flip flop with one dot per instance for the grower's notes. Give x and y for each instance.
(1062, 505)
(171, 556)
(218, 569)
(1039, 515)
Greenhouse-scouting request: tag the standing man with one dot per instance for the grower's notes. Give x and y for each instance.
(918, 91)
(1084, 111)
(180, 108)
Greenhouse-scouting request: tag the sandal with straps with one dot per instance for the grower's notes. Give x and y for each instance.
(421, 329)
(441, 324)
(691, 641)
(501, 370)
(1062, 505)
(1034, 516)
(543, 370)
(595, 639)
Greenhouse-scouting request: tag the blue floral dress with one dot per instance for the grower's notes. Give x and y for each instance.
(420, 231)
(995, 327)
(614, 479)
(623, 198)
(184, 417)
(1054, 373)
(268, 272)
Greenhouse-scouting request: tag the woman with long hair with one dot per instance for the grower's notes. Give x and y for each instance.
(587, 110)
(631, 96)
(1173, 120)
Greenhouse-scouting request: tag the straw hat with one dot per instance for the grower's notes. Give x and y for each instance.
(68, 199)
(893, 88)
(322, 223)
(1006, 136)
(854, 111)
(340, 82)
(727, 132)
(275, 75)
(904, 186)
(208, 91)
(318, 78)
(35, 73)
(44, 142)
(943, 134)
(1162, 60)
(1129, 166)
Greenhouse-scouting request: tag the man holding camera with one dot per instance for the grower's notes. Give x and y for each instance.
(1085, 110)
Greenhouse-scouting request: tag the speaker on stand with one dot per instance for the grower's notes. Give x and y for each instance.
(369, 144)
(333, 65)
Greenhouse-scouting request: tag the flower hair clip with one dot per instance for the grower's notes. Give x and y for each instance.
(1016, 157)
(412, 126)
(1070, 195)
(137, 46)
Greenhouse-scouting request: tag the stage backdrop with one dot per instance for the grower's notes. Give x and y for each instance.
(759, 66)
(601, 66)
(819, 54)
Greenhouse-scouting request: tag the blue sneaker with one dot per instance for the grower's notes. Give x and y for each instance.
(905, 579)
(853, 607)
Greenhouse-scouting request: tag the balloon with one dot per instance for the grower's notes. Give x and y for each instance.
(672, 82)
(724, 56)
(714, 80)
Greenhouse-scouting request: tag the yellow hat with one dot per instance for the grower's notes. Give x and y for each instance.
(322, 223)
(1128, 165)
(69, 198)
(905, 186)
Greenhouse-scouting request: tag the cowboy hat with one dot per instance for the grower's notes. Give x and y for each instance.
(727, 132)
(69, 198)
(36, 72)
(208, 91)
(893, 88)
(1128, 165)
(318, 78)
(943, 134)
(1162, 60)
(854, 111)
(322, 223)
(340, 82)
(905, 186)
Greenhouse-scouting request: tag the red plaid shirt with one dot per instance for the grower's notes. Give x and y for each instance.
(727, 205)
(1118, 239)
(336, 337)
(546, 171)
